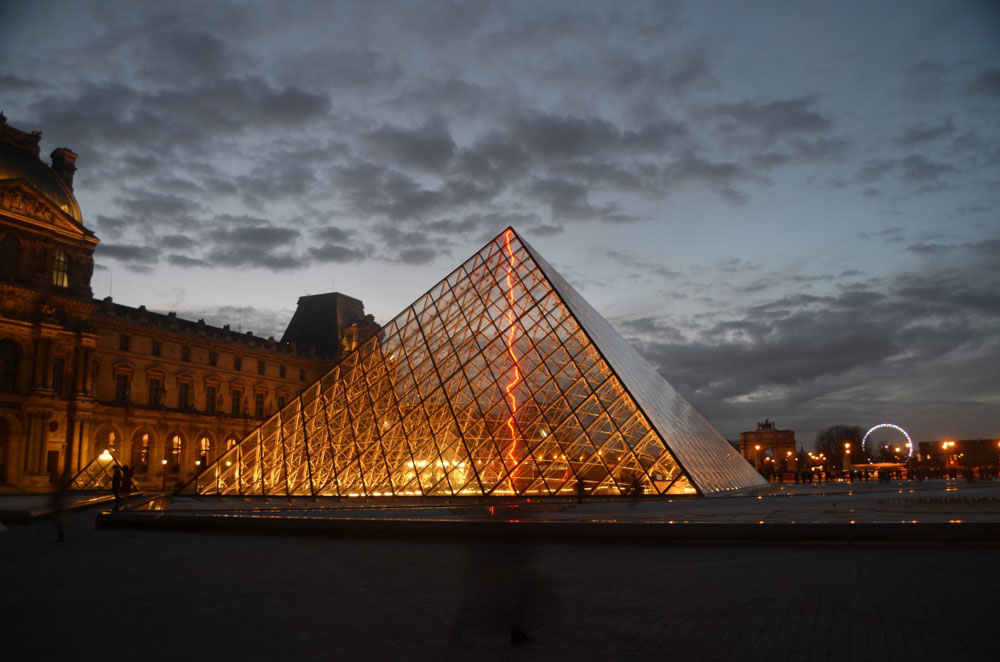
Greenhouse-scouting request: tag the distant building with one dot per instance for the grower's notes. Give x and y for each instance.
(960, 453)
(768, 448)
(78, 375)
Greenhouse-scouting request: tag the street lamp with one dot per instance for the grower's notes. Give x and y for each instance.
(164, 461)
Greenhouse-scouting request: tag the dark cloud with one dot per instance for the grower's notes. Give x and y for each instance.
(415, 256)
(412, 247)
(243, 241)
(13, 82)
(375, 190)
(766, 121)
(800, 352)
(988, 83)
(334, 233)
(339, 245)
(127, 253)
(354, 70)
(636, 268)
(179, 260)
(721, 176)
(453, 97)
(429, 147)
(331, 252)
(930, 249)
(177, 241)
(291, 171)
(923, 171)
(659, 76)
(143, 207)
(570, 201)
(494, 159)
(917, 171)
(922, 133)
(551, 136)
(894, 233)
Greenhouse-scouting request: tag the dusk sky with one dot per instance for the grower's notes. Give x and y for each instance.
(791, 209)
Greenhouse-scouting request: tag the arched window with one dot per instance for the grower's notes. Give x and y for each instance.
(176, 447)
(10, 249)
(232, 441)
(204, 450)
(140, 453)
(10, 354)
(60, 269)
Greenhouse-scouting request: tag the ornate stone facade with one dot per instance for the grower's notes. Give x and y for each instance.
(78, 375)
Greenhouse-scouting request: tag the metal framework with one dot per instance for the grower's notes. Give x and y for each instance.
(97, 474)
(501, 380)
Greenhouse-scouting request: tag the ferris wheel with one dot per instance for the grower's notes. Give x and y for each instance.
(868, 450)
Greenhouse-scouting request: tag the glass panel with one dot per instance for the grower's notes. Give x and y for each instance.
(529, 404)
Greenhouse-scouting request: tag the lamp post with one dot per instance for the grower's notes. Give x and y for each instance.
(164, 474)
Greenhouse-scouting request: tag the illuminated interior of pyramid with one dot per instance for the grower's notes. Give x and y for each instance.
(499, 381)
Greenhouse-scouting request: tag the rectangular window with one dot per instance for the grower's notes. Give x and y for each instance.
(183, 395)
(302, 374)
(260, 367)
(237, 397)
(60, 269)
(237, 363)
(281, 371)
(185, 353)
(281, 401)
(157, 348)
(258, 405)
(124, 341)
(58, 368)
(213, 359)
(210, 399)
(155, 391)
(121, 388)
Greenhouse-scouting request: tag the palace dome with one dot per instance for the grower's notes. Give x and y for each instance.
(19, 159)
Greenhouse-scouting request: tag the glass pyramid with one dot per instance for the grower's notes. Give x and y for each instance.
(501, 380)
(97, 474)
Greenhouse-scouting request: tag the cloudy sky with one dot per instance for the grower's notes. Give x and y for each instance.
(790, 208)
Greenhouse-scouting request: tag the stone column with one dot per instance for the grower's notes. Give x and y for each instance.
(36, 448)
(86, 448)
(43, 350)
(88, 372)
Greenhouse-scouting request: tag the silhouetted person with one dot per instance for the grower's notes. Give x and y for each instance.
(581, 490)
(116, 485)
(59, 503)
(501, 593)
(127, 485)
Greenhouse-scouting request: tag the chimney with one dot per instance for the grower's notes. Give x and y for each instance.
(64, 163)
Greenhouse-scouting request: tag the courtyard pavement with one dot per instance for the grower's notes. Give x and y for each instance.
(869, 502)
(156, 595)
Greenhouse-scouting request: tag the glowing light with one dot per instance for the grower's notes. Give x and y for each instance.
(105, 456)
(909, 442)
(516, 378)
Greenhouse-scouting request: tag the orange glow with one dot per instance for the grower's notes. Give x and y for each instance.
(513, 357)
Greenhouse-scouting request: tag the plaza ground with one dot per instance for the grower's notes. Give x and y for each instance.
(157, 595)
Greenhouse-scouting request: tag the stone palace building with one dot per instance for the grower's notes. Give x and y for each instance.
(79, 375)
